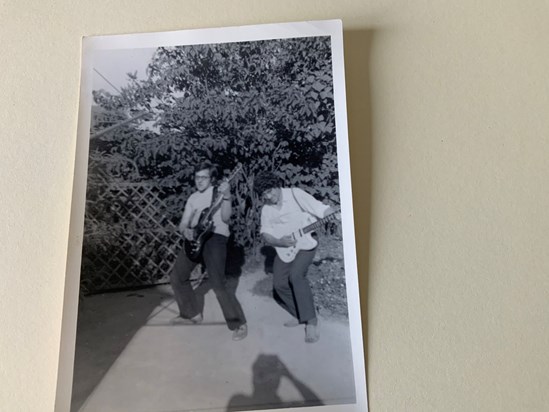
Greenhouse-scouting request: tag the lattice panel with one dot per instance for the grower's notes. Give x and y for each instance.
(130, 239)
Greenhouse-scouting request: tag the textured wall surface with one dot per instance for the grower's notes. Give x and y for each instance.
(447, 106)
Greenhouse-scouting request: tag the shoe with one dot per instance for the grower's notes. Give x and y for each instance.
(178, 320)
(240, 333)
(311, 333)
(292, 323)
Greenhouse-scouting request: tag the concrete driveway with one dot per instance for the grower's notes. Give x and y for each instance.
(130, 358)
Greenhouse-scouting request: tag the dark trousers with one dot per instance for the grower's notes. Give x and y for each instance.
(291, 287)
(214, 254)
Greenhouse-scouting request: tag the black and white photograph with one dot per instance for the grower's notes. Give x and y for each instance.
(216, 250)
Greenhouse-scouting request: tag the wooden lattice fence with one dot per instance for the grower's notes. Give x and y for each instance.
(130, 236)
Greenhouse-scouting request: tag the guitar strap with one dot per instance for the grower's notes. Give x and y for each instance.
(297, 201)
(299, 204)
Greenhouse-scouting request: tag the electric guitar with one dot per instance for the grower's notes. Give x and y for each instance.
(205, 226)
(300, 229)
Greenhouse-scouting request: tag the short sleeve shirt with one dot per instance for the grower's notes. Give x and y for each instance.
(199, 201)
(295, 202)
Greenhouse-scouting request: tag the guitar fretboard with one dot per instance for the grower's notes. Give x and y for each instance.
(219, 197)
(319, 223)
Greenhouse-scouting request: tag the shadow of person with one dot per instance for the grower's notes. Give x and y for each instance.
(268, 371)
(269, 252)
(236, 258)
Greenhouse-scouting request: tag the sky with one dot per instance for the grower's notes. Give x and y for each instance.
(115, 64)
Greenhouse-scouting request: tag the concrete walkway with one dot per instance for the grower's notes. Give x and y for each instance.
(193, 368)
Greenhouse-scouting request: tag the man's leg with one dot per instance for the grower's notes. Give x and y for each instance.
(181, 285)
(284, 295)
(215, 254)
(300, 286)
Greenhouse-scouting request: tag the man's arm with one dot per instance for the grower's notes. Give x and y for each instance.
(329, 211)
(266, 231)
(226, 204)
(310, 204)
(284, 241)
(184, 225)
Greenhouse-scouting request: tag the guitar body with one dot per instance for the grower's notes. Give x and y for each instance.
(205, 226)
(293, 226)
(202, 231)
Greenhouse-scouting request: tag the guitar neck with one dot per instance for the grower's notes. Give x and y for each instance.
(319, 223)
(219, 196)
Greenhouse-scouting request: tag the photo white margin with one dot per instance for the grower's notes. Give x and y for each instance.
(332, 28)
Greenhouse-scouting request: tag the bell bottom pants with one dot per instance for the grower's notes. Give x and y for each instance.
(214, 254)
(292, 289)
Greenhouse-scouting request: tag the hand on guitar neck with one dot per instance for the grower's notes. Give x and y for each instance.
(224, 189)
(335, 211)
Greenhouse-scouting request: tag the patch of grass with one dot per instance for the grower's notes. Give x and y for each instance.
(327, 278)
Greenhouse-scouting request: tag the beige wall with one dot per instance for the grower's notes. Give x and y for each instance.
(448, 108)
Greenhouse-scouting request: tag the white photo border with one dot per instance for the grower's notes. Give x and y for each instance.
(332, 28)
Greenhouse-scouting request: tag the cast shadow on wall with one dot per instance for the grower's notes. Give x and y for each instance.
(358, 49)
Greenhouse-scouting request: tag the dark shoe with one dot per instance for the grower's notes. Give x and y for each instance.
(178, 320)
(311, 333)
(240, 333)
(292, 323)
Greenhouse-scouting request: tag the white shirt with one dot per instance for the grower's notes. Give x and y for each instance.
(199, 201)
(292, 206)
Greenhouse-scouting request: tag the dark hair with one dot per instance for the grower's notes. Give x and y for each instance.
(207, 165)
(265, 181)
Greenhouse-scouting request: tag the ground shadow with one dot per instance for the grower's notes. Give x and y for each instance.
(236, 259)
(267, 373)
(358, 49)
(107, 322)
(269, 253)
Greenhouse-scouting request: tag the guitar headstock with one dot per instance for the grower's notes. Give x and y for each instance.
(236, 170)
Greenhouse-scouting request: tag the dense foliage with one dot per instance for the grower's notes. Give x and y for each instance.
(267, 105)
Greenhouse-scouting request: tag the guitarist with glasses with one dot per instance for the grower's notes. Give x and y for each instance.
(288, 217)
(215, 202)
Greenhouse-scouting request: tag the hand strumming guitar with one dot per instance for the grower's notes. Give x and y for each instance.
(188, 233)
(287, 241)
(284, 241)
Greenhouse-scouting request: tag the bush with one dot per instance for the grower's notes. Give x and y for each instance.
(327, 278)
(267, 105)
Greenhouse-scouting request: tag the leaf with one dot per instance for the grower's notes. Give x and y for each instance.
(317, 86)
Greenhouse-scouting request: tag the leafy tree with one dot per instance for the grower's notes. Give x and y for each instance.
(267, 105)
